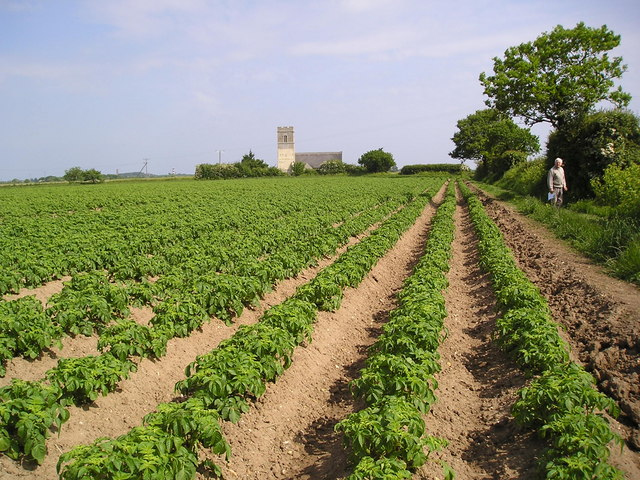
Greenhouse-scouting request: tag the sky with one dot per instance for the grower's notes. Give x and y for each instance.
(112, 84)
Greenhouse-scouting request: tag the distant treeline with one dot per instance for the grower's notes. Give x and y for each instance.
(452, 168)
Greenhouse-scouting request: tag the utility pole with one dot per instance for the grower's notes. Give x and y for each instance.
(220, 152)
(144, 167)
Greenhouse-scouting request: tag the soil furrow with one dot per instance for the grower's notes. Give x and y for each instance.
(478, 383)
(150, 385)
(601, 316)
(289, 433)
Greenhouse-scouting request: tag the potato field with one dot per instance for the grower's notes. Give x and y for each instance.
(306, 328)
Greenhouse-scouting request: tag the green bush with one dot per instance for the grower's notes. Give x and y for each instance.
(297, 168)
(619, 187)
(223, 171)
(332, 167)
(453, 168)
(591, 145)
(525, 178)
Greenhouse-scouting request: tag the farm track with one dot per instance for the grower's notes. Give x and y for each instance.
(289, 432)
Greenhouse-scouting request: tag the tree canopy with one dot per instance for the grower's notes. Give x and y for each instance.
(493, 139)
(377, 161)
(76, 174)
(250, 161)
(558, 77)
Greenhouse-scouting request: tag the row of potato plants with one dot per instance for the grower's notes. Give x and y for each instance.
(388, 438)
(80, 380)
(561, 402)
(247, 272)
(133, 229)
(222, 384)
(90, 303)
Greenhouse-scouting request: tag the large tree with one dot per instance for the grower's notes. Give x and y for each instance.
(492, 139)
(557, 78)
(377, 161)
(74, 174)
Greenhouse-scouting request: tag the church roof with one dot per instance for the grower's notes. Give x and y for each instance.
(315, 159)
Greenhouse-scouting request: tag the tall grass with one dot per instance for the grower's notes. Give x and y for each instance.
(610, 239)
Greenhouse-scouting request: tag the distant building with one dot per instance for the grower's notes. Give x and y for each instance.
(287, 152)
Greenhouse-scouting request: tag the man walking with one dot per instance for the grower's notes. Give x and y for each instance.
(557, 182)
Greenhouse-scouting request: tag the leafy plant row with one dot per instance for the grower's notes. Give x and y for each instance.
(387, 439)
(217, 284)
(223, 383)
(561, 402)
(140, 229)
(90, 303)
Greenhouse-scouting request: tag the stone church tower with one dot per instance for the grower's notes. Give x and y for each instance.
(286, 148)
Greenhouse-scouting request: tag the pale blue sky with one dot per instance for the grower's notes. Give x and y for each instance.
(108, 83)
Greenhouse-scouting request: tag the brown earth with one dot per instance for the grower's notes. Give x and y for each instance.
(289, 433)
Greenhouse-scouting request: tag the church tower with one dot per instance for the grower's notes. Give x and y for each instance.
(286, 148)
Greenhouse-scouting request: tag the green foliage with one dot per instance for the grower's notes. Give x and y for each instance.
(619, 187)
(92, 176)
(192, 422)
(250, 161)
(76, 174)
(627, 264)
(526, 178)
(391, 428)
(400, 376)
(354, 169)
(382, 468)
(207, 171)
(297, 168)
(558, 77)
(592, 144)
(249, 166)
(494, 141)
(25, 329)
(377, 161)
(226, 379)
(27, 412)
(144, 453)
(127, 338)
(293, 315)
(452, 168)
(87, 302)
(83, 379)
(332, 167)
